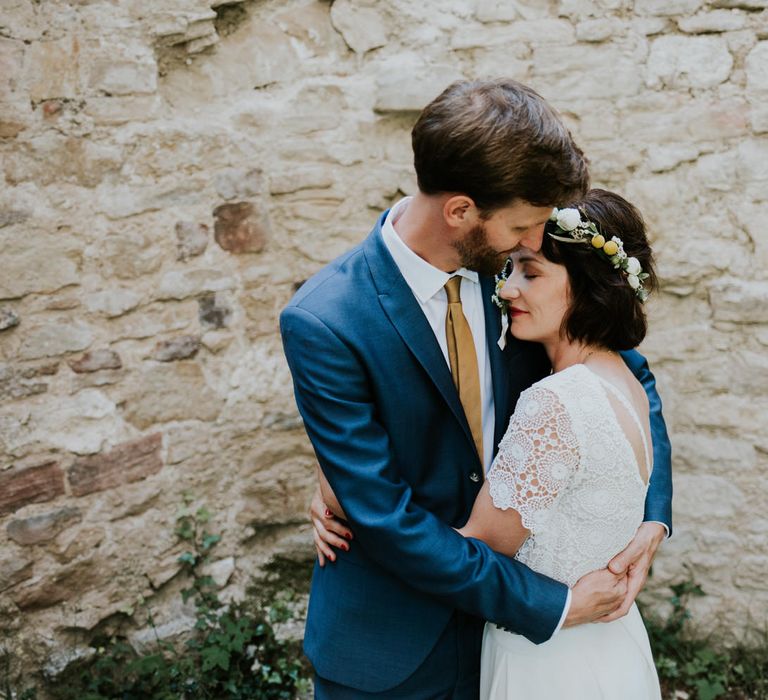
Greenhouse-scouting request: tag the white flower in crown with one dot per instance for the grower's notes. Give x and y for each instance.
(633, 267)
(634, 281)
(568, 219)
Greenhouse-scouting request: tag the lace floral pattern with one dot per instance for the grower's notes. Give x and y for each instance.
(567, 467)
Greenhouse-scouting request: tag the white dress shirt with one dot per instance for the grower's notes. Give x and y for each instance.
(427, 284)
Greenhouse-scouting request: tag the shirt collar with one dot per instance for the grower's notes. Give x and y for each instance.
(425, 280)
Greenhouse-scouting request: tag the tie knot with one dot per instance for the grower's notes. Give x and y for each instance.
(452, 287)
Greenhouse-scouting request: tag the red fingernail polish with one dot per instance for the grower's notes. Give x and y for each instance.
(345, 547)
(328, 513)
(348, 535)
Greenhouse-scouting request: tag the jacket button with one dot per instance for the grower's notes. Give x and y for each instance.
(474, 476)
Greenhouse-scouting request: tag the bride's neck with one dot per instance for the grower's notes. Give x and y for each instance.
(563, 353)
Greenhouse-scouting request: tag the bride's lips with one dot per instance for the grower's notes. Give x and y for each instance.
(516, 312)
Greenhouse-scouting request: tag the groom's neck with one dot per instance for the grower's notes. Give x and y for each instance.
(423, 229)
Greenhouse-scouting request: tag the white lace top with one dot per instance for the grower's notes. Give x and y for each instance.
(566, 465)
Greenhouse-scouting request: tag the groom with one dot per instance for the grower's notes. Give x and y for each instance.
(405, 393)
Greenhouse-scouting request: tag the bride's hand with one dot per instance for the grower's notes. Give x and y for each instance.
(635, 561)
(328, 531)
(594, 596)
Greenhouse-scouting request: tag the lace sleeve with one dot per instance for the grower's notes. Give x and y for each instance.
(537, 457)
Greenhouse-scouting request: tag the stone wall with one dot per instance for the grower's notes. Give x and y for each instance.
(173, 170)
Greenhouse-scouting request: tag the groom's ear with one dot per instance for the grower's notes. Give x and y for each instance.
(459, 211)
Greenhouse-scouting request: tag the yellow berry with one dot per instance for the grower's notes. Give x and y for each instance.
(611, 248)
(598, 241)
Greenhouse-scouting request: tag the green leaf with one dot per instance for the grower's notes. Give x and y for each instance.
(210, 540)
(188, 558)
(215, 657)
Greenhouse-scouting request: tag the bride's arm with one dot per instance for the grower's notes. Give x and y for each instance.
(502, 530)
(537, 458)
(331, 502)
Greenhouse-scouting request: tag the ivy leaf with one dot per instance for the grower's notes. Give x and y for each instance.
(215, 656)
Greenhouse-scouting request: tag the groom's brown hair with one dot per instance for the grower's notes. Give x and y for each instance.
(497, 141)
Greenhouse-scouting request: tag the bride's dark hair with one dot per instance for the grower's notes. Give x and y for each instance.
(604, 310)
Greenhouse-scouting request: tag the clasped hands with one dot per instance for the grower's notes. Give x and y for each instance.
(600, 596)
(608, 594)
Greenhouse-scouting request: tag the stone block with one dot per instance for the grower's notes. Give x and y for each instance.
(752, 161)
(214, 311)
(41, 263)
(14, 569)
(538, 32)
(363, 28)
(714, 454)
(126, 75)
(667, 7)
(668, 157)
(739, 300)
(599, 29)
(496, 11)
(53, 339)
(31, 485)
(741, 4)
(713, 22)
(8, 318)
(123, 464)
(16, 383)
(117, 109)
(127, 255)
(706, 498)
(64, 584)
(112, 302)
(240, 183)
(406, 83)
(179, 348)
(170, 392)
(96, 360)
(680, 61)
(241, 227)
(42, 528)
(604, 71)
(749, 572)
(52, 68)
(191, 239)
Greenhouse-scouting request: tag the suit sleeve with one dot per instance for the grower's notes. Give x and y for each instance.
(658, 502)
(354, 451)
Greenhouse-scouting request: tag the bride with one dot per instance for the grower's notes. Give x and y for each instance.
(566, 491)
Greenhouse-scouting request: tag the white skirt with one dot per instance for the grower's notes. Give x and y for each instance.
(609, 661)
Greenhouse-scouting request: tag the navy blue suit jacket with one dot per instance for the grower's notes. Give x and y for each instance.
(391, 436)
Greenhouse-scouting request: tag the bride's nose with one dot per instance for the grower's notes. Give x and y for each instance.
(509, 290)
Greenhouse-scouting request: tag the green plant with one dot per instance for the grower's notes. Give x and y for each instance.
(11, 681)
(692, 663)
(232, 653)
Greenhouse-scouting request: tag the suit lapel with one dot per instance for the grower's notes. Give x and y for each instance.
(405, 314)
(500, 359)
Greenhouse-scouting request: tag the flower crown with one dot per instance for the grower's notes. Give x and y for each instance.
(571, 228)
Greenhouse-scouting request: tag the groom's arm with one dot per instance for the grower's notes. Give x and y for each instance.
(354, 451)
(637, 558)
(658, 502)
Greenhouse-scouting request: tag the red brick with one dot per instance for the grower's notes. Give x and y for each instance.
(32, 485)
(130, 461)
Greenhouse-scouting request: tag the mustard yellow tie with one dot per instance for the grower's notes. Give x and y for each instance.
(463, 361)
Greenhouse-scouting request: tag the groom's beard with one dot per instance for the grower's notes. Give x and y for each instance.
(475, 253)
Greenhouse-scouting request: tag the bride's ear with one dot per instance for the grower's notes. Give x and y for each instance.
(459, 211)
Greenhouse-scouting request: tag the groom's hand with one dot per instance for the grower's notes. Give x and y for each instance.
(596, 595)
(635, 561)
